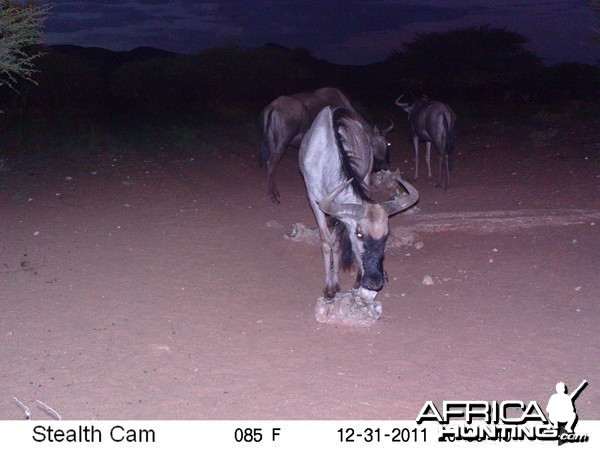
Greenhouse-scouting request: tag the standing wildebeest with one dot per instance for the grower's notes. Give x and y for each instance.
(336, 161)
(431, 121)
(286, 120)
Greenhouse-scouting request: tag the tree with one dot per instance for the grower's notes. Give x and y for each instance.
(595, 5)
(465, 62)
(20, 27)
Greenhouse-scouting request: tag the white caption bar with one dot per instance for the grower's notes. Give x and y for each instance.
(281, 435)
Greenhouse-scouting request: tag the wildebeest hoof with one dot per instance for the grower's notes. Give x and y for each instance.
(330, 292)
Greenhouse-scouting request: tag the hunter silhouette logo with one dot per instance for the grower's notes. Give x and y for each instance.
(562, 413)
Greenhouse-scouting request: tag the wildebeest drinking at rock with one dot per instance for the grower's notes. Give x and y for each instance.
(431, 121)
(286, 120)
(336, 161)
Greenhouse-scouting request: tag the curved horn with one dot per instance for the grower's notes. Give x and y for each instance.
(390, 128)
(337, 209)
(397, 102)
(401, 203)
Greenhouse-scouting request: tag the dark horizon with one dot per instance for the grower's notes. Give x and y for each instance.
(157, 51)
(341, 32)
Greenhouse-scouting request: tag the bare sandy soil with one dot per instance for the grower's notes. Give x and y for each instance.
(155, 283)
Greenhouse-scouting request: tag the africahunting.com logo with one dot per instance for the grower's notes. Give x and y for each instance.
(511, 420)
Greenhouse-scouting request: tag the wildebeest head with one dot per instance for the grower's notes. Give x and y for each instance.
(409, 106)
(367, 231)
(381, 148)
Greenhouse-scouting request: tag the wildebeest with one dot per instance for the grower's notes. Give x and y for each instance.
(336, 161)
(286, 120)
(431, 121)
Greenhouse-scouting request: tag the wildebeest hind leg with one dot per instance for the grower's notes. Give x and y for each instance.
(428, 159)
(447, 171)
(273, 161)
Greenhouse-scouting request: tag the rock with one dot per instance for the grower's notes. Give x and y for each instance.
(398, 237)
(366, 294)
(356, 308)
(273, 224)
(427, 280)
(301, 233)
(412, 210)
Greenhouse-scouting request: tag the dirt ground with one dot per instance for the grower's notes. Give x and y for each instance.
(155, 283)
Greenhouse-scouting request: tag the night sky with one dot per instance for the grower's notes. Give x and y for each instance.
(340, 31)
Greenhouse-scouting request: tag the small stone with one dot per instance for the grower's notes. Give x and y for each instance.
(419, 245)
(273, 224)
(427, 280)
(301, 233)
(367, 294)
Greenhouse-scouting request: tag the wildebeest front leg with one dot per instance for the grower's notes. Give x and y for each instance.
(356, 284)
(329, 247)
(331, 261)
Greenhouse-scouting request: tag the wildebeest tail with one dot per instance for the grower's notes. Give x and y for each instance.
(265, 149)
(449, 144)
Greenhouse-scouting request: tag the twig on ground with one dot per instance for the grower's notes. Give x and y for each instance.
(25, 408)
(51, 410)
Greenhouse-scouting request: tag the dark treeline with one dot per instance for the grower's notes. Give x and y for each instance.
(483, 67)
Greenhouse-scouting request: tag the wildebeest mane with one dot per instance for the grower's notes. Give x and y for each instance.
(353, 147)
(347, 255)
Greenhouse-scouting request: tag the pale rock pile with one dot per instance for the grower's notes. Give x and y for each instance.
(356, 308)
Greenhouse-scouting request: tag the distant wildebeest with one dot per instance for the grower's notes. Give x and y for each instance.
(431, 121)
(336, 161)
(286, 120)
